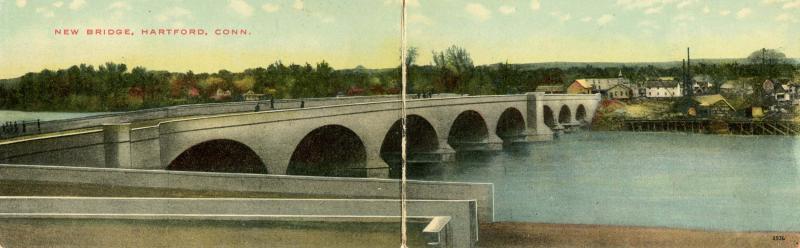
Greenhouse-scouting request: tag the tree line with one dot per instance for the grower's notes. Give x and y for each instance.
(112, 87)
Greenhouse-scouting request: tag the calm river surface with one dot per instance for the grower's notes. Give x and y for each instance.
(742, 183)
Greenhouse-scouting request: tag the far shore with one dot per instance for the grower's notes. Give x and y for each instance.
(521, 234)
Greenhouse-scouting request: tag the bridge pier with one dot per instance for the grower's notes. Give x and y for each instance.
(375, 166)
(571, 126)
(536, 129)
(494, 142)
(117, 145)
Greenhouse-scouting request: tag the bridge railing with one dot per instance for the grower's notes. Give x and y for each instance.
(96, 121)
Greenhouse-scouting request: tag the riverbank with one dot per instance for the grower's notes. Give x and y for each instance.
(519, 234)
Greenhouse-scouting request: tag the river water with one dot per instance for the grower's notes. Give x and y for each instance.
(737, 183)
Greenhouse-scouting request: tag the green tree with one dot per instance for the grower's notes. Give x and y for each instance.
(455, 68)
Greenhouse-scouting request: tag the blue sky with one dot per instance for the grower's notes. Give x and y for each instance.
(366, 32)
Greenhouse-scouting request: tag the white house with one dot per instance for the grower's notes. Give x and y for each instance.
(663, 89)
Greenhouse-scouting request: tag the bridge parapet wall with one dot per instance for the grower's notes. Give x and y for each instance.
(274, 135)
(76, 149)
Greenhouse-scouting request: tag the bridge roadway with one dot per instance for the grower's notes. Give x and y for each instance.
(360, 139)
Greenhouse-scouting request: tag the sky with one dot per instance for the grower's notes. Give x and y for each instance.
(349, 33)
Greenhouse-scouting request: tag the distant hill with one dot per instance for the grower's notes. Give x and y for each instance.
(525, 66)
(663, 64)
(566, 65)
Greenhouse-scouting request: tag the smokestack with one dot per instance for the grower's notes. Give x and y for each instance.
(689, 89)
(683, 70)
(688, 64)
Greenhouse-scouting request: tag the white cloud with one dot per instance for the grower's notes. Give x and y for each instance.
(536, 4)
(420, 19)
(791, 5)
(298, 5)
(174, 14)
(327, 19)
(685, 4)
(586, 19)
(786, 18)
(562, 17)
(120, 5)
(654, 6)
(604, 19)
(683, 18)
(270, 7)
(724, 12)
(58, 4)
(76, 4)
(744, 13)
(118, 9)
(22, 3)
(241, 7)
(785, 4)
(653, 10)
(505, 9)
(706, 10)
(45, 12)
(479, 11)
(648, 25)
(638, 4)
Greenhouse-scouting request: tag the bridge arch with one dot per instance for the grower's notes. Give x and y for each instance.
(331, 150)
(564, 115)
(510, 125)
(421, 137)
(549, 117)
(468, 127)
(580, 113)
(219, 155)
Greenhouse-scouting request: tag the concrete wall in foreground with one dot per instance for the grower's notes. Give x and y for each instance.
(328, 187)
(463, 221)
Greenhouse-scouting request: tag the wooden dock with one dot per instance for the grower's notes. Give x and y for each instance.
(711, 126)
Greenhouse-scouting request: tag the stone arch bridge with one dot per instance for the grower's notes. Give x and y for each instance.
(360, 139)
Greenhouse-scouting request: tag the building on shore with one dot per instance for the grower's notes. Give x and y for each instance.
(221, 94)
(619, 91)
(579, 86)
(783, 91)
(714, 106)
(706, 106)
(703, 85)
(597, 85)
(736, 88)
(551, 89)
(250, 96)
(663, 89)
